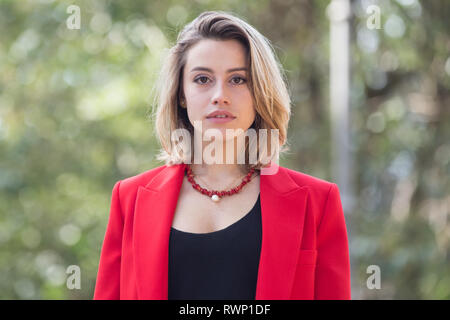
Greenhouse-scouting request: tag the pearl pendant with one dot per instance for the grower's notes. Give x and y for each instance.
(215, 198)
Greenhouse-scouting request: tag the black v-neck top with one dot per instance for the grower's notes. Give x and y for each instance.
(217, 265)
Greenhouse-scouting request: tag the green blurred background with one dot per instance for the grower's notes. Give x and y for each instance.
(74, 119)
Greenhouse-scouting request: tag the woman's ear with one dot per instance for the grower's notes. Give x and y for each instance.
(183, 103)
(181, 94)
(181, 97)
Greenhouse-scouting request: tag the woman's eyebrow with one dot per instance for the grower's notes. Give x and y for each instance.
(210, 70)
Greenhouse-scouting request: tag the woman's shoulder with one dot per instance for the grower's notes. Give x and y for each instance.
(141, 179)
(320, 190)
(317, 186)
(127, 188)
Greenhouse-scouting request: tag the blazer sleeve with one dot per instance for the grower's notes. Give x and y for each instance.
(332, 276)
(107, 286)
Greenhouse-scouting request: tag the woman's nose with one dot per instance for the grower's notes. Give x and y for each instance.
(220, 95)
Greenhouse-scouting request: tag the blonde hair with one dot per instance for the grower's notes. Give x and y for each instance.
(270, 95)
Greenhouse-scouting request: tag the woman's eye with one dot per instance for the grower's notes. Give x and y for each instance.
(203, 81)
(239, 79)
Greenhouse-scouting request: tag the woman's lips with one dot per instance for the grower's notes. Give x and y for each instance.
(220, 120)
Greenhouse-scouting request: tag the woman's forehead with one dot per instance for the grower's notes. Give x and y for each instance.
(216, 55)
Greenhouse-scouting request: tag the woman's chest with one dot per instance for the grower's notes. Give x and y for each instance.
(197, 213)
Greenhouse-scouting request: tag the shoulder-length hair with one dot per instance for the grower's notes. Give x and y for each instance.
(266, 83)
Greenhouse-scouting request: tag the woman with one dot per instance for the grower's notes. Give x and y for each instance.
(207, 225)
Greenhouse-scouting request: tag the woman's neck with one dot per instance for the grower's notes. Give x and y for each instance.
(216, 173)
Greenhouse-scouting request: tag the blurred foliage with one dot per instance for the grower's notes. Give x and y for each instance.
(74, 119)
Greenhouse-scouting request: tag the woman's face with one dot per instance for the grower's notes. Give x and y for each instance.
(215, 79)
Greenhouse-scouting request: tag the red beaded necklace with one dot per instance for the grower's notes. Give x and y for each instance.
(215, 194)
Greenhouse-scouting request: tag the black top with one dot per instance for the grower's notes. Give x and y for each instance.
(217, 265)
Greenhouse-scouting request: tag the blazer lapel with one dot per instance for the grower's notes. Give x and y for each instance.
(154, 210)
(283, 205)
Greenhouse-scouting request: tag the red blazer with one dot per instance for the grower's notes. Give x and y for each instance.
(304, 250)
